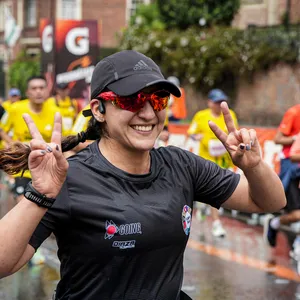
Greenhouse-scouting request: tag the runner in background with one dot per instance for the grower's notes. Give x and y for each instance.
(14, 95)
(68, 107)
(175, 112)
(210, 147)
(81, 122)
(43, 116)
(289, 175)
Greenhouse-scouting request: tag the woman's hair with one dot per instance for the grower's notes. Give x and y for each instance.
(14, 159)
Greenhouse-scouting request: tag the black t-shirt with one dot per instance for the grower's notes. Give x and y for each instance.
(122, 236)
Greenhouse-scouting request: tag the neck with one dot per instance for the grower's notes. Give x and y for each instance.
(36, 108)
(132, 162)
(215, 114)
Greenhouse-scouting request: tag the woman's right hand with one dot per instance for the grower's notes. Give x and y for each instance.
(47, 164)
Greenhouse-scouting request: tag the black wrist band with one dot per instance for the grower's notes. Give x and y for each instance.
(33, 195)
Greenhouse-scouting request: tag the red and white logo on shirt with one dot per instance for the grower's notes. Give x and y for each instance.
(125, 229)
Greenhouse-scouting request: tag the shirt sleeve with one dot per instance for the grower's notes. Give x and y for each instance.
(212, 184)
(7, 121)
(286, 124)
(56, 218)
(80, 124)
(295, 149)
(194, 127)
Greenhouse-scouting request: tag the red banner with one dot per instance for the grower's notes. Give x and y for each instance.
(70, 52)
(76, 44)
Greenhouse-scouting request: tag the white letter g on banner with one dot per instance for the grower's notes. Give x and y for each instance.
(77, 41)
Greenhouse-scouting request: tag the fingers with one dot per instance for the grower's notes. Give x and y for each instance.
(227, 117)
(60, 158)
(37, 153)
(35, 134)
(56, 133)
(220, 134)
(39, 148)
(40, 145)
(249, 139)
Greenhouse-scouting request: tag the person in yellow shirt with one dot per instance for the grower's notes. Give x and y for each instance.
(80, 125)
(42, 115)
(210, 147)
(14, 95)
(68, 107)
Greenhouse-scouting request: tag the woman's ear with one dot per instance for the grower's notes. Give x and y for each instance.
(98, 109)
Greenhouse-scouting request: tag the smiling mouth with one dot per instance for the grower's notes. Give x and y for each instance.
(144, 128)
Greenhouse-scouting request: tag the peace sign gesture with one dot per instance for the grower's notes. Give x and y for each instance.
(242, 145)
(47, 164)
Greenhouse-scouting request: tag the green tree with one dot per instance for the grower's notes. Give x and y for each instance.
(185, 13)
(147, 16)
(21, 69)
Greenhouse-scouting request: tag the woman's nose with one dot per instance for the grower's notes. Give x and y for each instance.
(146, 111)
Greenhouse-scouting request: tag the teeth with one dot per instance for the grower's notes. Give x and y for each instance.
(142, 128)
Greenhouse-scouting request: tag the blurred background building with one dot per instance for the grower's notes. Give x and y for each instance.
(113, 16)
(266, 12)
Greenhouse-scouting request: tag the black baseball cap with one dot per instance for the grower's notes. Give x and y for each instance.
(127, 72)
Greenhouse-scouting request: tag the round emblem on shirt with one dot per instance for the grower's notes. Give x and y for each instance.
(111, 229)
(186, 219)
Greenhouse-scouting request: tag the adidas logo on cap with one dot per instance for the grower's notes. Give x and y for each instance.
(141, 65)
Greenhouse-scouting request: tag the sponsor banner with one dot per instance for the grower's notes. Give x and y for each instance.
(46, 31)
(270, 151)
(76, 44)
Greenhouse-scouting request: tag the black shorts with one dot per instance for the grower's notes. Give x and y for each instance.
(293, 196)
(19, 186)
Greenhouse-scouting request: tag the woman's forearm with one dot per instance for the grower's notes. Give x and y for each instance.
(16, 228)
(265, 188)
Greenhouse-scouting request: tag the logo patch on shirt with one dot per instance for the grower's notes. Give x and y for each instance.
(124, 244)
(124, 229)
(186, 219)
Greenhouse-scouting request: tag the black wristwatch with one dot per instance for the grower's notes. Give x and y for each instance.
(33, 195)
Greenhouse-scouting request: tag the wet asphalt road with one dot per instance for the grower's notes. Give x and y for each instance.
(237, 267)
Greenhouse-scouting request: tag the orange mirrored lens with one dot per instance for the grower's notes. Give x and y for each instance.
(158, 100)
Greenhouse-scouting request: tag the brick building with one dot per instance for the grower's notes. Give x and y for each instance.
(112, 16)
(266, 12)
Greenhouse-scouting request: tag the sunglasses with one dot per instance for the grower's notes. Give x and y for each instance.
(158, 100)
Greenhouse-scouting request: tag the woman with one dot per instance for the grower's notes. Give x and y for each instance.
(122, 213)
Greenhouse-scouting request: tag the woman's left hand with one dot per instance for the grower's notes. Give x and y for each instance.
(242, 144)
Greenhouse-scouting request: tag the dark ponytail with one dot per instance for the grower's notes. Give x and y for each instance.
(14, 159)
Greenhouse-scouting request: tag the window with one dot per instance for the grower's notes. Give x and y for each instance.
(132, 5)
(31, 18)
(69, 9)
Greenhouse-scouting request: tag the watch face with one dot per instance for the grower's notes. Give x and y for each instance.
(20, 190)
